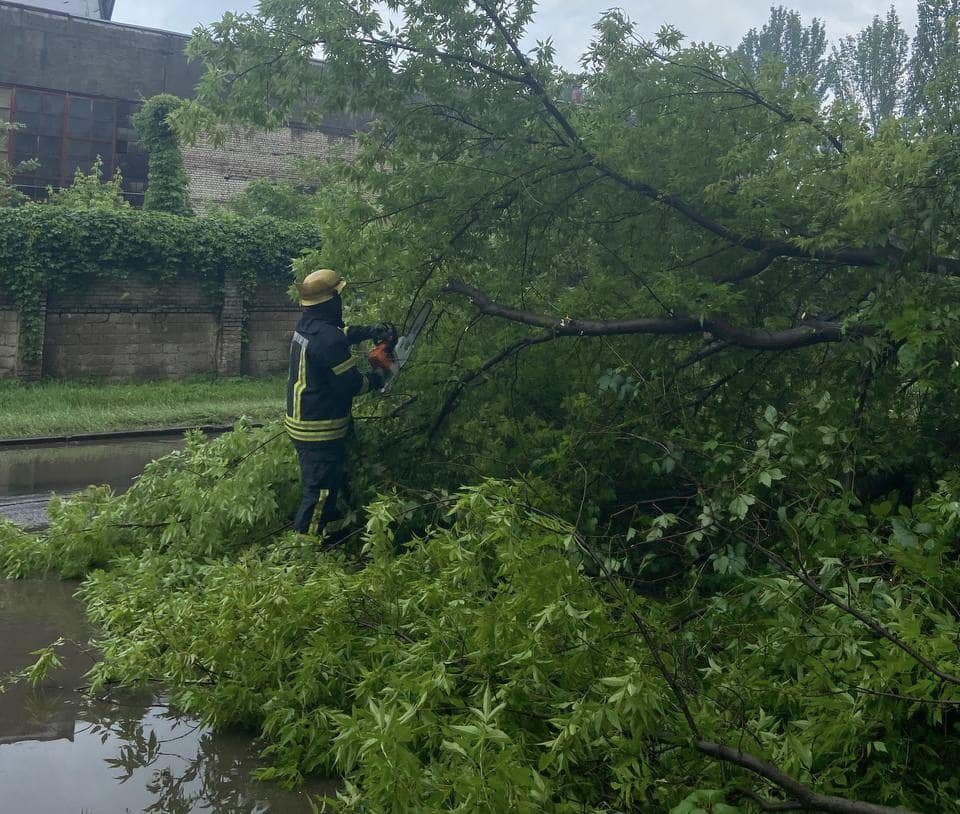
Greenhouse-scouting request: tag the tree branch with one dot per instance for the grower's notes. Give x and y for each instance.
(750, 94)
(469, 376)
(808, 797)
(768, 805)
(875, 626)
(808, 332)
(761, 264)
(873, 256)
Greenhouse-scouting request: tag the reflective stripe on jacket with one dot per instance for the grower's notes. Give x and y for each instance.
(323, 376)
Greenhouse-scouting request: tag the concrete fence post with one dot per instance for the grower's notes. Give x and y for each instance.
(231, 330)
(30, 343)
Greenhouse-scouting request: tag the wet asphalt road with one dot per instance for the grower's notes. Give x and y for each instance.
(28, 475)
(28, 511)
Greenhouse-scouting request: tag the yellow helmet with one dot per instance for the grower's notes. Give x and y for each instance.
(320, 286)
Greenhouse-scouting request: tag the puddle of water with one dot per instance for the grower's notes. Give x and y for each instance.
(62, 752)
(68, 467)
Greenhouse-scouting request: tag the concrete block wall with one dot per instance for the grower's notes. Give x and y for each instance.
(139, 329)
(267, 349)
(136, 328)
(118, 345)
(270, 320)
(9, 340)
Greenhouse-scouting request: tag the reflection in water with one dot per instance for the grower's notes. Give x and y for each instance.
(68, 467)
(62, 751)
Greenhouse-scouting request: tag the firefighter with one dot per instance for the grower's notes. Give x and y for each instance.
(322, 385)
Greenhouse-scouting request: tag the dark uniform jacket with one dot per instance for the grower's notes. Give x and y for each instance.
(323, 375)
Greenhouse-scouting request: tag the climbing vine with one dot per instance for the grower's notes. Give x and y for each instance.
(9, 194)
(168, 187)
(50, 249)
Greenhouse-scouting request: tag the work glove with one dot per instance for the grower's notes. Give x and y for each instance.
(383, 332)
(377, 378)
(380, 358)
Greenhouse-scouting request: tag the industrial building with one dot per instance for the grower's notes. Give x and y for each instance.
(72, 78)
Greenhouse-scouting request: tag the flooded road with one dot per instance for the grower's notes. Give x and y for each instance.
(66, 467)
(62, 752)
(27, 476)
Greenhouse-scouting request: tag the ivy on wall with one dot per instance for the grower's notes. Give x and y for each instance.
(47, 249)
(168, 187)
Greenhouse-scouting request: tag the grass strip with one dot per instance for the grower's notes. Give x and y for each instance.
(64, 407)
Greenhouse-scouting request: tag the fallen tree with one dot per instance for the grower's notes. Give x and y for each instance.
(698, 357)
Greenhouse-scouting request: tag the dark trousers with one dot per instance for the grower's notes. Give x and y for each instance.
(321, 472)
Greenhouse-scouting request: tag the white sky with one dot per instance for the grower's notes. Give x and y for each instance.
(569, 22)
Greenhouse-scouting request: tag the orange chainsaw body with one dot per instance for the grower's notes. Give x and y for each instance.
(381, 357)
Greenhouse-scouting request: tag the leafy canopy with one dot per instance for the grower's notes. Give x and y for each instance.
(696, 354)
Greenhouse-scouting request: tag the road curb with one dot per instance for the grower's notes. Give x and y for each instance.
(79, 438)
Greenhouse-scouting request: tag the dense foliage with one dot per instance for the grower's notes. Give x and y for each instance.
(486, 655)
(697, 352)
(90, 191)
(9, 194)
(168, 187)
(80, 237)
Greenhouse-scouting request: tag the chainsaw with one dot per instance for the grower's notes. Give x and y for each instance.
(390, 355)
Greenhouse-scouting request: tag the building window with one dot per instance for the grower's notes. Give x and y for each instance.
(5, 95)
(66, 132)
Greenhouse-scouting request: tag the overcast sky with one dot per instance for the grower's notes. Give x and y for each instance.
(569, 22)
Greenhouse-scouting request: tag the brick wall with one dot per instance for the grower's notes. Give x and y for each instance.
(141, 329)
(217, 173)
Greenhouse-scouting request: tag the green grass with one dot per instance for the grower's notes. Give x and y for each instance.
(67, 407)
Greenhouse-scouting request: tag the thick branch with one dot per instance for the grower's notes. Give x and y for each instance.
(807, 796)
(809, 332)
(758, 266)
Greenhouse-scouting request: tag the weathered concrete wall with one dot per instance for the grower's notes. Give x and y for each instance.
(139, 329)
(78, 8)
(132, 329)
(129, 345)
(268, 348)
(44, 49)
(269, 328)
(9, 340)
(52, 51)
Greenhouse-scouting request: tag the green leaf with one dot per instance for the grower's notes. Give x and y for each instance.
(902, 534)
(740, 505)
